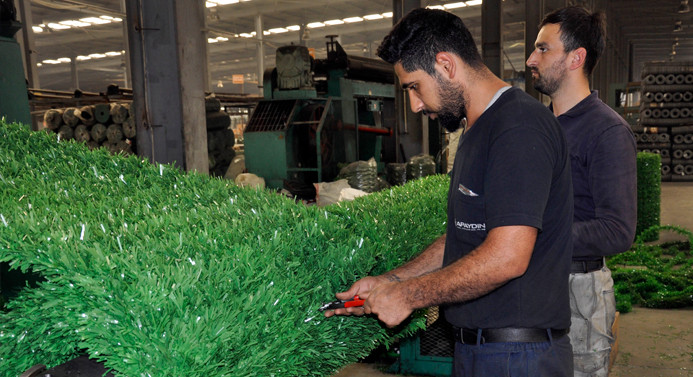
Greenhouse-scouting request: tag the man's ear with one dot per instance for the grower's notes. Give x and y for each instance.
(578, 57)
(445, 64)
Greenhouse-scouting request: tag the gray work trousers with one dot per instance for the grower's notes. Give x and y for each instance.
(593, 310)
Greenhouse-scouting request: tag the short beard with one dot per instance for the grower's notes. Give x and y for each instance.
(453, 107)
(549, 82)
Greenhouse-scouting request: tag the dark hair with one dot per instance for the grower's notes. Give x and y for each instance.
(580, 28)
(416, 39)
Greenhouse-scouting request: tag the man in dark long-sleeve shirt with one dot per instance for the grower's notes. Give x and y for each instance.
(603, 163)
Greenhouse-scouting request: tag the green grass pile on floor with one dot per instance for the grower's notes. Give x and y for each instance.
(160, 273)
(654, 275)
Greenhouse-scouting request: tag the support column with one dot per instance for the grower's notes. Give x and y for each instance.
(492, 36)
(24, 10)
(126, 63)
(409, 133)
(533, 16)
(260, 51)
(166, 41)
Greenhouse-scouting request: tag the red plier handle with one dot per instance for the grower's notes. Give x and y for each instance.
(354, 302)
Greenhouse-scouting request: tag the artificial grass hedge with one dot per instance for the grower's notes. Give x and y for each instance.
(649, 171)
(160, 273)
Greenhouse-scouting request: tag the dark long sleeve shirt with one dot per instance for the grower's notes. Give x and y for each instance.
(604, 171)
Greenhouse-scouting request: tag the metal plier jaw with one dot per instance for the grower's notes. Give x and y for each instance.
(354, 302)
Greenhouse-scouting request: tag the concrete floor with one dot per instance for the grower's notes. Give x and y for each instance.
(651, 342)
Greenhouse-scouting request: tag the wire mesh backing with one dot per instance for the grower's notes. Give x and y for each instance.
(271, 116)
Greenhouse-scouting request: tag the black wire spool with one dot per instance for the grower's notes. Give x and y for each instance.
(660, 79)
(674, 113)
(685, 112)
(688, 79)
(667, 97)
(665, 113)
(687, 97)
(647, 113)
(663, 138)
(648, 96)
(679, 79)
(688, 138)
(670, 79)
(664, 153)
(678, 154)
(679, 169)
(677, 97)
(649, 79)
(656, 113)
(659, 97)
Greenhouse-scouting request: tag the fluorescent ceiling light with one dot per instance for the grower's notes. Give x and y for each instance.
(387, 15)
(210, 5)
(455, 5)
(474, 2)
(439, 7)
(57, 26)
(51, 61)
(334, 22)
(373, 17)
(246, 35)
(82, 57)
(314, 25)
(212, 40)
(97, 56)
(278, 30)
(64, 60)
(265, 32)
(353, 19)
(74, 23)
(112, 53)
(37, 29)
(95, 20)
(294, 28)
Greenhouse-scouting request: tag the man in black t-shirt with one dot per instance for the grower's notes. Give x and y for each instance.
(500, 273)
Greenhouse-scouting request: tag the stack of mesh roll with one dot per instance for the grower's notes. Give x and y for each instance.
(107, 125)
(682, 153)
(658, 143)
(667, 94)
(667, 104)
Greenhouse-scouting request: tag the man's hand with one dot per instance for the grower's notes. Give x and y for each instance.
(388, 302)
(362, 287)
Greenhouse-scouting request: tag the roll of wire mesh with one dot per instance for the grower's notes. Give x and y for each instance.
(675, 113)
(665, 153)
(688, 138)
(647, 113)
(679, 169)
(685, 112)
(688, 169)
(666, 169)
(665, 113)
(687, 96)
(679, 79)
(687, 154)
(677, 97)
(670, 79)
(648, 96)
(656, 113)
(667, 97)
(688, 79)
(663, 138)
(678, 154)
(649, 79)
(659, 97)
(660, 79)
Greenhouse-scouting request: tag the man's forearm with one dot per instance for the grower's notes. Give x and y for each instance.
(431, 259)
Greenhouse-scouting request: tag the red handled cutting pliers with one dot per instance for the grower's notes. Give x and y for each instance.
(354, 302)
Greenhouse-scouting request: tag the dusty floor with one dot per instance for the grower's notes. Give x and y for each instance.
(651, 343)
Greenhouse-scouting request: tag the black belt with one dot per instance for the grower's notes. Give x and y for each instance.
(508, 334)
(585, 266)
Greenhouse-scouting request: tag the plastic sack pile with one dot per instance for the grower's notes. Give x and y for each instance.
(160, 273)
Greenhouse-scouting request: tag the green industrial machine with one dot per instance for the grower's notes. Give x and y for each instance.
(319, 115)
(14, 100)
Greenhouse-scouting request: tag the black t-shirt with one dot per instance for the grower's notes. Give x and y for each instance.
(512, 168)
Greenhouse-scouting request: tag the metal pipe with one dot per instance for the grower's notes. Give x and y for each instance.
(260, 50)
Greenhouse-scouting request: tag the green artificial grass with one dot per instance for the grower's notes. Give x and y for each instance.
(654, 275)
(160, 273)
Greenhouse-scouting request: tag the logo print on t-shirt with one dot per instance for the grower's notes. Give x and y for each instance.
(467, 191)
